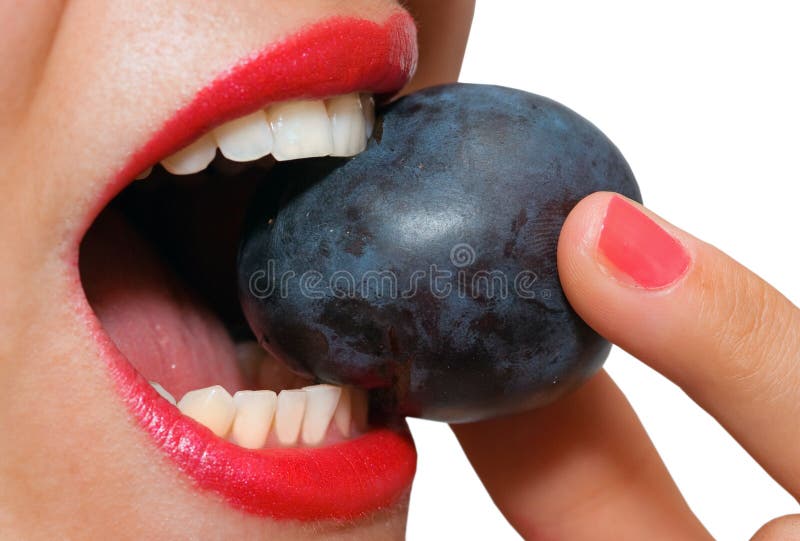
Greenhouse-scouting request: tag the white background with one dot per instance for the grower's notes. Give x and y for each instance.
(703, 98)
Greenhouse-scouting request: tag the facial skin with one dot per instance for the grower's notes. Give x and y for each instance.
(84, 85)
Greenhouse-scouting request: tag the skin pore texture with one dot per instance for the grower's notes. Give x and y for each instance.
(86, 84)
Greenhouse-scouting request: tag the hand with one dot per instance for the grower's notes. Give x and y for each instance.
(584, 468)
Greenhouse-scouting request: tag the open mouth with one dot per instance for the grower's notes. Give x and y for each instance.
(158, 268)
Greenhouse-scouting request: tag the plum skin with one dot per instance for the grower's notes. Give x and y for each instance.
(491, 170)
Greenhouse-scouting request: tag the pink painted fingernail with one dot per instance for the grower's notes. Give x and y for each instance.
(639, 248)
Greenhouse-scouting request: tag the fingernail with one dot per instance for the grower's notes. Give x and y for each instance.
(638, 248)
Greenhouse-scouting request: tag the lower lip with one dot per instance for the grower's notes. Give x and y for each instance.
(339, 482)
(342, 481)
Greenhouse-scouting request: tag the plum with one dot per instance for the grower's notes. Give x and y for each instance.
(424, 269)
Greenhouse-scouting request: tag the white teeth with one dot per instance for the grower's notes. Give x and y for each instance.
(296, 416)
(342, 417)
(192, 159)
(212, 407)
(339, 126)
(144, 174)
(254, 412)
(347, 124)
(321, 402)
(301, 130)
(289, 415)
(163, 392)
(245, 139)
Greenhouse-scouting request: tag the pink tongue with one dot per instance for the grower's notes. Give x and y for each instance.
(163, 330)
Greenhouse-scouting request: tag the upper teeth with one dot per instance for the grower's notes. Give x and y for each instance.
(245, 139)
(339, 126)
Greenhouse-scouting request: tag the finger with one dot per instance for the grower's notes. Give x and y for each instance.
(724, 335)
(582, 468)
(781, 529)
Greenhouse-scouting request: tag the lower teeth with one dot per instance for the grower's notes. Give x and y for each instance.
(310, 416)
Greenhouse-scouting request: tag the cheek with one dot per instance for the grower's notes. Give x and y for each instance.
(75, 453)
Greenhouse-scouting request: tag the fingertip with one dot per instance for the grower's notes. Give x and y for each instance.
(608, 236)
(577, 244)
(583, 223)
(616, 262)
(779, 529)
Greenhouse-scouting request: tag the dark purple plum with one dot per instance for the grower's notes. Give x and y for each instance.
(424, 269)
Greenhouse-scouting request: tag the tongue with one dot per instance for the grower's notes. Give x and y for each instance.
(164, 331)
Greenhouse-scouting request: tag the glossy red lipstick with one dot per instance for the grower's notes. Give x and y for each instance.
(335, 56)
(342, 481)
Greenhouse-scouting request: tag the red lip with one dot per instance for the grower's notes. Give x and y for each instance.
(336, 56)
(343, 481)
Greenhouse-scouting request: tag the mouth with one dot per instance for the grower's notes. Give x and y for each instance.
(158, 290)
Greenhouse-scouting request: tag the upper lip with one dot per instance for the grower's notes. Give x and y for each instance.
(335, 56)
